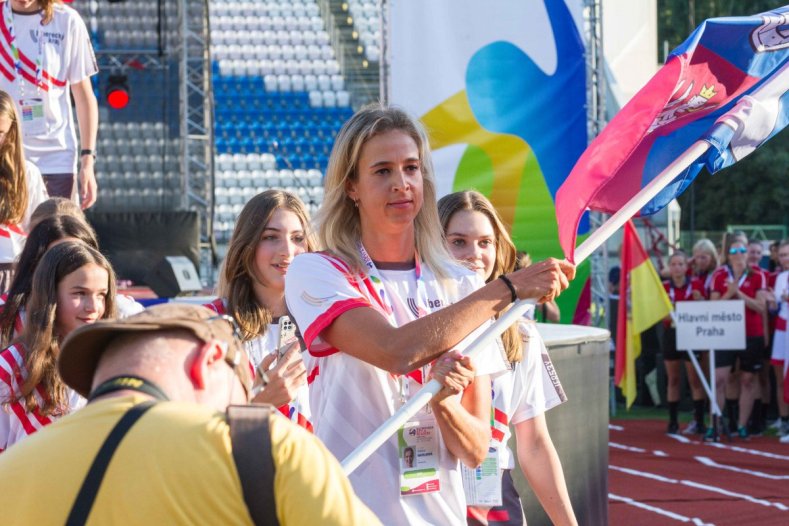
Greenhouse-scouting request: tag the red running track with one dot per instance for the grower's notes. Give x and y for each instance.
(657, 479)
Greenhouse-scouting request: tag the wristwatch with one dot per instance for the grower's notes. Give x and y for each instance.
(88, 152)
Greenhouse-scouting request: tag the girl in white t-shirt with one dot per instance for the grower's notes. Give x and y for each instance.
(73, 285)
(476, 236)
(21, 190)
(384, 302)
(54, 61)
(270, 231)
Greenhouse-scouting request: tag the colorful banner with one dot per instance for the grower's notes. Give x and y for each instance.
(501, 88)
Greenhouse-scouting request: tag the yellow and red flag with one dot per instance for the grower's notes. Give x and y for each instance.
(642, 303)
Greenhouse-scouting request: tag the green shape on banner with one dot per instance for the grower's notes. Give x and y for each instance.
(475, 170)
(535, 229)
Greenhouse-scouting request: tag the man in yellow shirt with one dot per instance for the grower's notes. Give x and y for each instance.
(174, 464)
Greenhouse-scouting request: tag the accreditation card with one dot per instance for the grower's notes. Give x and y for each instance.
(418, 452)
(482, 485)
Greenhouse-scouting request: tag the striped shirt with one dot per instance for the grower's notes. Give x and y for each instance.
(15, 421)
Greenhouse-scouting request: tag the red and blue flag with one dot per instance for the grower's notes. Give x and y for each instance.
(726, 84)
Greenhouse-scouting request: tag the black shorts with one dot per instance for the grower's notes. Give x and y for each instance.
(670, 351)
(751, 359)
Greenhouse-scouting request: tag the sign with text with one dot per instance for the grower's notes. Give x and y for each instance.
(718, 325)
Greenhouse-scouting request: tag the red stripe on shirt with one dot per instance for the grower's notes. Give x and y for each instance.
(500, 417)
(16, 407)
(217, 306)
(25, 60)
(323, 353)
(7, 74)
(497, 434)
(498, 515)
(16, 229)
(303, 422)
(25, 75)
(313, 375)
(324, 320)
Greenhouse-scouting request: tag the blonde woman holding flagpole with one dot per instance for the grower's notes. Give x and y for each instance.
(383, 303)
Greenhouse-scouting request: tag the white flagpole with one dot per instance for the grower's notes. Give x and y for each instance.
(423, 396)
(592, 243)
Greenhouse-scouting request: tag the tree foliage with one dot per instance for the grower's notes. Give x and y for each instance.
(756, 189)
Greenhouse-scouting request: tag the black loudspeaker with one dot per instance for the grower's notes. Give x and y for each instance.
(173, 275)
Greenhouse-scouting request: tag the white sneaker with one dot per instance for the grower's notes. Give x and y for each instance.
(783, 429)
(694, 429)
(784, 439)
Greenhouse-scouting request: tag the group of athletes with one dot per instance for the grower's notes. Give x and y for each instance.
(382, 292)
(742, 378)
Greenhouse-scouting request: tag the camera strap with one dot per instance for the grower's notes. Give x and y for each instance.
(90, 486)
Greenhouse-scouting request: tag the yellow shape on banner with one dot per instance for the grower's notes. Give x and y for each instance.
(453, 122)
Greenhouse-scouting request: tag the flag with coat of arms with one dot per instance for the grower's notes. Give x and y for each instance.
(726, 84)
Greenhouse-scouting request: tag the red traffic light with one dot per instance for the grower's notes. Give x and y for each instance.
(118, 92)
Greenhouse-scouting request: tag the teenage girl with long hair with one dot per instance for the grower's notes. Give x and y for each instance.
(46, 234)
(477, 237)
(270, 231)
(73, 285)
(21, 190)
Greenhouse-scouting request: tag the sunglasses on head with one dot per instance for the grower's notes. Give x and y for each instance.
(741, 250)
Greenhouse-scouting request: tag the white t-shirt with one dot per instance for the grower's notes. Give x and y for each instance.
(36, 192)
(67, 59)
(528, 390)
(350, 398)
(13, 237)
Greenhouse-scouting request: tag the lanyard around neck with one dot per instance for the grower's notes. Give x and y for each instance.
(8, 15)
(421, 302)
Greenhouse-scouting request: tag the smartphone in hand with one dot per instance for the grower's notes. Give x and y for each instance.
(287, 334)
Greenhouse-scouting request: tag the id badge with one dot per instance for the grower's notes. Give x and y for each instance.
(32, 114)
(418, 451)
(482, 485)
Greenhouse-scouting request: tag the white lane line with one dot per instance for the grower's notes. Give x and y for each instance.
(627, 448)
(659, 511)
(615, 427)
(761, 474)
(705, 487)
(749, 498)
(638, 473)
(749, 451)
(634, 449)
(679, 438)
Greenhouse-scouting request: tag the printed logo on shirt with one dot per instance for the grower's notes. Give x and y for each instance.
(557, 385)
(315, 302)
(417, 311)
(51, 37)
